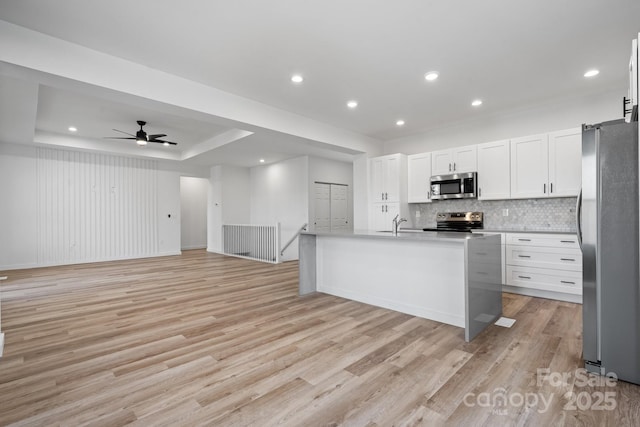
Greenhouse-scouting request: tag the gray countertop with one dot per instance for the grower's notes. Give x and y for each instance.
(407, 234)
(541, 230)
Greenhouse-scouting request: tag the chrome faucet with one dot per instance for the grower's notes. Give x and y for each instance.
(396, 223)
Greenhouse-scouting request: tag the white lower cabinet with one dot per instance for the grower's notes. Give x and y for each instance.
(544, 265)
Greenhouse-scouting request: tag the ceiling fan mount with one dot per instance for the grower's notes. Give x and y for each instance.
(142, 138)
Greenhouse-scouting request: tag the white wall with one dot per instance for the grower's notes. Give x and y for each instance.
(229, 202)
(66, 207)
(280, 193)
(527, 120)
(236, 190)
(168, 213)
(18, 214)
(333, 172)
(193, 212)
(361, 193)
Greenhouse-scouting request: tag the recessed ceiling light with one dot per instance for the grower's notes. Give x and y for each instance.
(261, 160)
(73, 129)
(297, 78)
(400, 123)
(591, 73)
(352, 104)
(477, 103)
(431, 76)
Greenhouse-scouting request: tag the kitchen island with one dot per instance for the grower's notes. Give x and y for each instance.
(453, 278)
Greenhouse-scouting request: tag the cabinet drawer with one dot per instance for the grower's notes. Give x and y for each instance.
(544, 257)
(569, 282)
(569, 241)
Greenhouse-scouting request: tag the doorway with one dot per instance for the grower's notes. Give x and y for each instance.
(331, 207)
(193, 212)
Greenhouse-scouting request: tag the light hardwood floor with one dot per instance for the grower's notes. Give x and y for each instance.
(202, 339)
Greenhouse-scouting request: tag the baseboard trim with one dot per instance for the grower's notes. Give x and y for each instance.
(87, 261)
(560, 296)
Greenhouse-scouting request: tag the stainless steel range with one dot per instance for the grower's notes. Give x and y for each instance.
(458, 221)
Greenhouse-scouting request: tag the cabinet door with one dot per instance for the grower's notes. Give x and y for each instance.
(419, 174)
(377, 179)
(529, 167)
(465, 159)
(494, 163)
(382, 215)
(392, 179)
(565, 163)
(441, 162)
(391, 210)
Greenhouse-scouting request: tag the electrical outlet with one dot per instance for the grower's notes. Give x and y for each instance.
(417, 214)
(505, 212)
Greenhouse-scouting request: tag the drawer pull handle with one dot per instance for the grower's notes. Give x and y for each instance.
(567, 241)
(567, 282)
(524, 240)
(567, 259)
(524, 256)
(524, 277)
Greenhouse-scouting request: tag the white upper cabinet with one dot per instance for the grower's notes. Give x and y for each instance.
(454, 160)
(441, 162)
(565, 163)
(419, 175)
(465, 159)
(529, 166)
(494, 163)
(387, 178)
(547, 165)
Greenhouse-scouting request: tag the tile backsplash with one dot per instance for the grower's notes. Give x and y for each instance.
(553, 214)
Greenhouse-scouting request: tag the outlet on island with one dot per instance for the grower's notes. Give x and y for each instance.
(505, 212)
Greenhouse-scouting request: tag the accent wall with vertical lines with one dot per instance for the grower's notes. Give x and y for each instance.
(95, 207)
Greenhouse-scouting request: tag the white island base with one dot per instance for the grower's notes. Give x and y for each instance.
(451, 278)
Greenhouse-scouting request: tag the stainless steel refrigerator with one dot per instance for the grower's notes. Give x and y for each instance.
(607, 220)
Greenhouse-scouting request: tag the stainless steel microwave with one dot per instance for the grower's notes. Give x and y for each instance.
(455, 186)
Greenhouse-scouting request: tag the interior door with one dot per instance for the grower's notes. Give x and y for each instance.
(322, 220)
(339, 206)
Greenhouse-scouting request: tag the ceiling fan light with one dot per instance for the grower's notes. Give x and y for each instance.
(141, 141)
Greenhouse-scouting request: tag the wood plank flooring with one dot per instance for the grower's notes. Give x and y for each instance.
(203, 339)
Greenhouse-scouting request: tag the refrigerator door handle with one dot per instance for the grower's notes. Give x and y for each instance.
(579, 219)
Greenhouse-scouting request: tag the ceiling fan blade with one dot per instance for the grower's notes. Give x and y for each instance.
(160, 141)
(126, 133)
(156, 136)
(116, 137)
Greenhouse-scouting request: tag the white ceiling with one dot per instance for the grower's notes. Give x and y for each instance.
(95, 117)
(508, 53)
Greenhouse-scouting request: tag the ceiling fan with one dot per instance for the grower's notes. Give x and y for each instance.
(141, 136)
